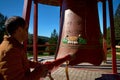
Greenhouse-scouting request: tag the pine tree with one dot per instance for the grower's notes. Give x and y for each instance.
(117, 13)
(2, 28)
(117, 25)
(53, 40)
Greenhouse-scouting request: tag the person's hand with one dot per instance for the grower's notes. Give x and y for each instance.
(49, 65)
(44, 70)
(72, 55)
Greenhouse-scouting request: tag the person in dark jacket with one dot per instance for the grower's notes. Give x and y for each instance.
(14, 64)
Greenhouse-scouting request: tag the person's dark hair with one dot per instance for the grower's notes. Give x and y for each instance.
(13, 23)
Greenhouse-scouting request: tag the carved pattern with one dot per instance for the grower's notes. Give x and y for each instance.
(74, 40)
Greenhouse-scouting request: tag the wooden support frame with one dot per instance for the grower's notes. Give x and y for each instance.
(114, 65)
(35, 49)
(26, 16)
(104, 30)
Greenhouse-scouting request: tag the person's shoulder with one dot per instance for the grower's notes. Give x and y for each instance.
(5, 43)
(5, 38)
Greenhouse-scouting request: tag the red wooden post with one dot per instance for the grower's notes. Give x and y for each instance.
(26, 10)
(114, 66)
(35, 51)
(26, 15)
(61, 23)
(104, 30)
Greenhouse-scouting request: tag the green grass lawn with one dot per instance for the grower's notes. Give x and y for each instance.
(109, 55)
(44, 54)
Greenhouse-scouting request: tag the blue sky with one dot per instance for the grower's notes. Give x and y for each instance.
(48, 18)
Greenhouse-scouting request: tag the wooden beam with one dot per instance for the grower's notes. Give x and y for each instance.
(114, 66)
(35, 50)
(26, 16)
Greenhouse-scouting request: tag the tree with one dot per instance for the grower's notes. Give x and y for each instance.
(41, 41)
(54, 37)
(53, 40)
(117, 25)
(117, 28)
(117, 13)
(2, 28)
(108, 36)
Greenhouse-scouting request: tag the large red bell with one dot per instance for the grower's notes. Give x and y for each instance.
(80, 32)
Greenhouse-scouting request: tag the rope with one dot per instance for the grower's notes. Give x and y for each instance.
(66, 70)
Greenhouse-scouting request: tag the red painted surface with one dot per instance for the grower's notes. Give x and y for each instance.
(104, 30)
(26, 15)
(114, 65)
(35, 50)
(84, 21)
(81, 17)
